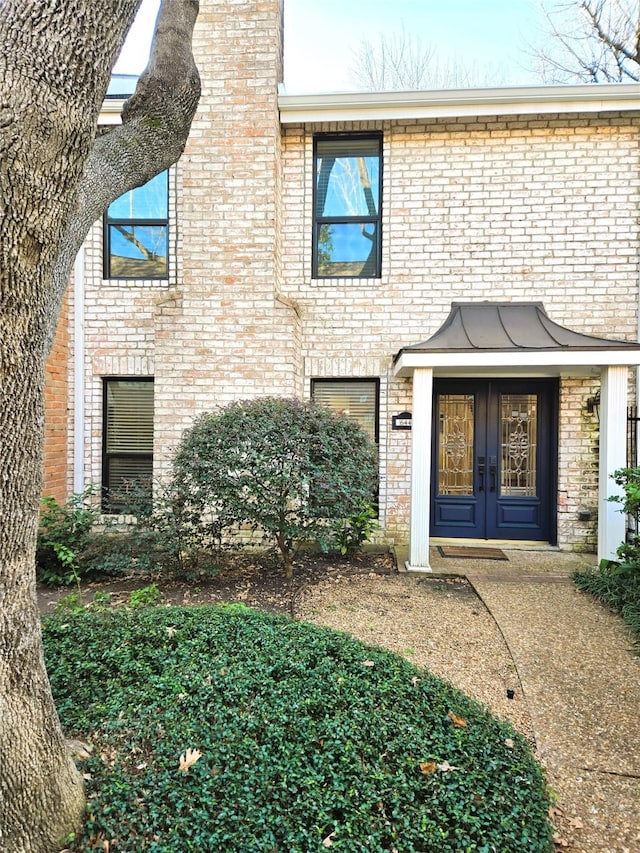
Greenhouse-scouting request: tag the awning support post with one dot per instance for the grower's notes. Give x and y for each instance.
(420, 470)
(613, 446)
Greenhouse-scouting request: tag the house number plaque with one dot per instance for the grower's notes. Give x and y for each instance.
(401, 421)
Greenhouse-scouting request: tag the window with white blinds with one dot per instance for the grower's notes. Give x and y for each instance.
(128, 442)
(356, 398)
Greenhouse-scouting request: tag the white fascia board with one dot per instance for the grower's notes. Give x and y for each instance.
(549, 362)
(449, 103)
(111, 112)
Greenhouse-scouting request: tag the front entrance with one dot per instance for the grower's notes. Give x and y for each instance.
(494, 459)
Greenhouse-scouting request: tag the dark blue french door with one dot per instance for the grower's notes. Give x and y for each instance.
(494, 459)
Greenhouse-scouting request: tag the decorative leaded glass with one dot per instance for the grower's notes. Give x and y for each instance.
(456, 419)
(518, 431)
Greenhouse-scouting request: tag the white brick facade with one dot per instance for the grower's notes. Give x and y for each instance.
(507, 208)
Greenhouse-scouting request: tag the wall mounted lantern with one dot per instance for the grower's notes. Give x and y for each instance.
(593, 405)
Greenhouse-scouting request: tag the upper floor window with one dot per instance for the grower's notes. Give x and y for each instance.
(346, 221)
(136, 232)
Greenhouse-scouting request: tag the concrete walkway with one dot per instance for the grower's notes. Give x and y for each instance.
(581, 683)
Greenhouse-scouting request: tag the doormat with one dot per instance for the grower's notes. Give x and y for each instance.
(467, 552)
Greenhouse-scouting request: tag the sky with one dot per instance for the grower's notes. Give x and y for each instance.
(322, 37)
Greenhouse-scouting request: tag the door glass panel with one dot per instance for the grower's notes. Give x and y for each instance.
(518, 431)
(456, 421)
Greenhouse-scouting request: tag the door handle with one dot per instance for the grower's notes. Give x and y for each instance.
(481, 470)
(493, 472)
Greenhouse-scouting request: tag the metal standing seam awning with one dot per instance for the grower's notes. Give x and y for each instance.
(508, 339)
(511, 336)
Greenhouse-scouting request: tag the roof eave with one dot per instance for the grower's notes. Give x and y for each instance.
(111, 111)
(406, 361)
(445, 103)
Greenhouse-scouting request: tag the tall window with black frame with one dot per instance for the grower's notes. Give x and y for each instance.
(346, 206)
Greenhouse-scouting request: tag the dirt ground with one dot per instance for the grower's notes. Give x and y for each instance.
(255, 581)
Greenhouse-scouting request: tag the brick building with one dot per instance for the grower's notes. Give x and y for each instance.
(56, 444)
(464, 263)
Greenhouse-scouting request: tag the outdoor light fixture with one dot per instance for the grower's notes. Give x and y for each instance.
(593, 405)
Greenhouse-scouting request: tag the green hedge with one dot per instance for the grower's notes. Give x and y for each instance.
(617, 589)
(310, 741)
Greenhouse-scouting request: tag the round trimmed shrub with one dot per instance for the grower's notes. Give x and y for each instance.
(287, 468)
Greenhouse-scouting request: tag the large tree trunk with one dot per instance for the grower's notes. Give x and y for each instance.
(55, 62)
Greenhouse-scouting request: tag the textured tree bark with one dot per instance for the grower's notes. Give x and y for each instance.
(55, 180)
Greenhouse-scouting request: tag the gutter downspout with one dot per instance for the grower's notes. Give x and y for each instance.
(78, 373)
(637, 388)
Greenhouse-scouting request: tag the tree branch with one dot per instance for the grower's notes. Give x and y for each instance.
(155, 126)
(597, 40)
(608, 37)
(155, 120)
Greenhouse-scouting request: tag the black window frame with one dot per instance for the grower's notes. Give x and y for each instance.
(319, 221)
(153, 222)
(107, 456)
(344, 380)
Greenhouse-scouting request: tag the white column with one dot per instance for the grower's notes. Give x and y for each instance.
(420, 470)
(613, 455)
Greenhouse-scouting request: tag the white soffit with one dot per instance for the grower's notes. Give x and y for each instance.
(548, 363)
(450, 103)
(111, 112)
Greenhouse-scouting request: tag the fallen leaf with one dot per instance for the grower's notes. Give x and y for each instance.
(576, 822)
(171, 632)
(188, 759)
(509, 742)
(559, 841)
(428, 767)
(460, 722)
(368, 663)
(445, 767)
(87, 777)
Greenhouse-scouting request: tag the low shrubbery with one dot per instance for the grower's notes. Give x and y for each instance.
(227, 729)
(64, 534)
(76, 543)
(616, 589)
(271, 472)
(616, 583)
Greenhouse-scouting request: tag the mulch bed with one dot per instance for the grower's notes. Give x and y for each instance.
(257, 581)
